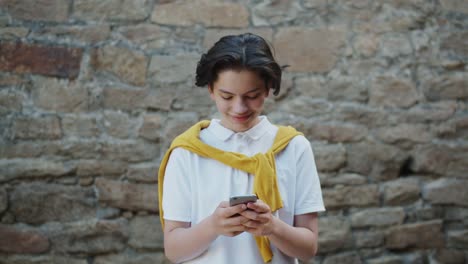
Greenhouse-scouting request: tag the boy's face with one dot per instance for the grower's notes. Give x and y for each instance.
(239, 97)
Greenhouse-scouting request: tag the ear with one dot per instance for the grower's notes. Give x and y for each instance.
(210, 90)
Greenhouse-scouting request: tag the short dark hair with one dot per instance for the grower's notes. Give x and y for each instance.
(236, 52)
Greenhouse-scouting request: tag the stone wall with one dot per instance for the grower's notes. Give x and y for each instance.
(93, 91)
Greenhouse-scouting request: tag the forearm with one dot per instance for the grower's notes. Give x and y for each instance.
(298, 242)
(182, 244)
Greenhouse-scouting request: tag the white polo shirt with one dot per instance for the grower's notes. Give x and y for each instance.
(194, 186)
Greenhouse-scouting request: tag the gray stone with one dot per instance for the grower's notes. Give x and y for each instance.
(117, 124)
(11, 101)
(335, 132)
(386, 260)
(347, 89)
(343, 258)
(368, 239)
(132, 258)
(36, 203)
(43, 10)
(147, 173)
(334, 234)
(401, 191)
(32, 169)
(151, 127)
(22, 241)
(80, 126)
(62, 96)
(329, 157)
(146, 233)
(456, 43)
(105, 168)
(458, 239)
(448, 256)
(378, 161)
(111, 10)
(389, 91)
(44, 127)
(82, 33)
(88, 237)
(172, 69)
(129, 151)
(341, 179)
(349, 196)
(3, 200)
(134, 197)
(43, 259)
(378, 217)
(447, 191)
(406, 134)
(422, 235)
(446, 87)
(395, 45)
(275, 12)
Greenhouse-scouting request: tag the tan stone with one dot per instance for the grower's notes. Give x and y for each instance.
(346, 196)
(378, 217)
(22, 241)
(336, 132)
(127, 65)
(12, 33)
(118, 124)
(125, 99)
(329, 157)
(210, 13)
(100, 168)
(389, 91)
(418, 235)
(11, 101)
(147, 173)
(129, 151)
(309, 50)
(150, 35)
(401, 191)
(455, 6)
(441, 159)
(327, 180)
(80, 126)
(152, 125)
(45, 127)
(268, 13)
(458, 239)
(448, 87)
(61, 96)
(134, 197)
(406, 133)
(40, 10)
(447, 191)
(368, 239)
(366, 45)
(111, 10)
(86, 34)
(172, 69)
(42, 259)
(334, 234)
(343, 258)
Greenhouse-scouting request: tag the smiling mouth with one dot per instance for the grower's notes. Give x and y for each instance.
(241, 118)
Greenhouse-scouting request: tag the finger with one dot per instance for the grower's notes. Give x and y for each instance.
(250, 214)
(233, 210)
(224, 204)
(252, 225)
(259, 207)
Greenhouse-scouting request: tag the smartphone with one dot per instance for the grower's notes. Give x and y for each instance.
(243, 199)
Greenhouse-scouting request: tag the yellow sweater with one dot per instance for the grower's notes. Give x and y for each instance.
(261, 165)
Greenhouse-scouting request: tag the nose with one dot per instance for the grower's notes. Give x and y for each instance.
(240, 106)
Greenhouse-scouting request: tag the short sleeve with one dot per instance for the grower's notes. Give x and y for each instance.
(308, 191)
(177, 188)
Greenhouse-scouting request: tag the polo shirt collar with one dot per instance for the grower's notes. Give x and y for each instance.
(254, 133)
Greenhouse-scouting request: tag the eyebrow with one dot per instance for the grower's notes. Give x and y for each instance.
(251, 91)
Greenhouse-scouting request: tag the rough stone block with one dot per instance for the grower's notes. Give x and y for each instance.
(3, 200)
(368, 239)
(127, 65)
(88, 237)
(406, 134)
(129, 151)
(53, 61)
(80, 126)
(82, 34)
(441, 159)
(41, 203)
(456, 42)
(134, 197)
(39, 10)
(19, 240)
(151, 127)
(389, 91)
(293, 48)
(348, 196)
(210, 13)
(147, 173)
(146, 233)
(32, 169)
(447, 191)
(172, 69)
(446, 87)
(111, 10)
(11, 101)
(334, 234)
(425, 235)
(118, 124)
(329, 157)
(44, 127)
(378, 217)
(100, 168)
(336, 132)
(401, 191)
(343, 258)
